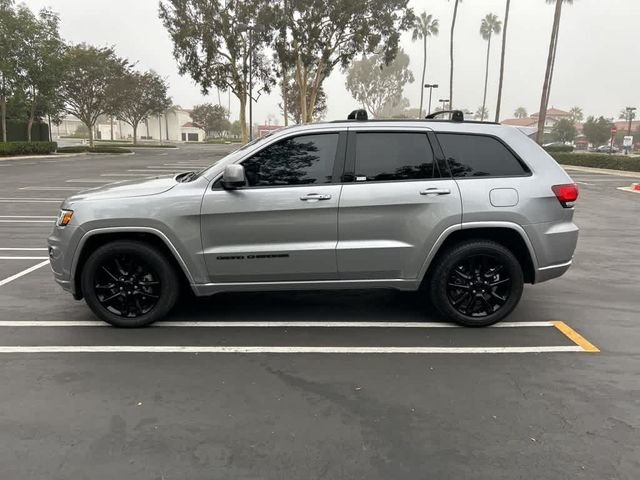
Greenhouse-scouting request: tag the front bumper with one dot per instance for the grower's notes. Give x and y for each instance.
(62, 245)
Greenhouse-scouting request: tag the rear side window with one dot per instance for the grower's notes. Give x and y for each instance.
(304, 160)
(394, 156)
(479, 156)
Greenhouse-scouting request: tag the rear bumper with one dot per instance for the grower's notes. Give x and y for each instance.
(552, 271)
(554, 244)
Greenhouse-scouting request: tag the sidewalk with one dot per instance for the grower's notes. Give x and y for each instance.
(31, 157)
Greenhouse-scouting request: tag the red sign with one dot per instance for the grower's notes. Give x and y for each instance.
(614, 130)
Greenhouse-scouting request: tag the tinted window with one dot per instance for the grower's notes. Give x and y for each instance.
(479, 156)
(394, 156)
(302, 160)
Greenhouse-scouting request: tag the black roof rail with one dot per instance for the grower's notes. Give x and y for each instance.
(360, 114)
(456, 115)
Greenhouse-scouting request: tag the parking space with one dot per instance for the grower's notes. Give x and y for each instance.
(322, 384)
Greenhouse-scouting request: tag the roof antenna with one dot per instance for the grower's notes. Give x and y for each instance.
(360, 114)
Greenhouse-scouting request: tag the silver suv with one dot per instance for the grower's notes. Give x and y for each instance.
(465, 212)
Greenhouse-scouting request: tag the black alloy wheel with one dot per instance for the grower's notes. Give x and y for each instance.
(127, 286)
(129, 283)
(479, 286)
(476, 283)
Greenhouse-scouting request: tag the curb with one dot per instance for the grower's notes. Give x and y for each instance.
(32, 157)
(634, 188)
(605, 171)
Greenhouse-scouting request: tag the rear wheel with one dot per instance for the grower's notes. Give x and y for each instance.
(476, 283)
(129, 284)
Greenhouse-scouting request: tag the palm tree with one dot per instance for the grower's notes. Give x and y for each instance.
(504, 47)
(453, 27)
(425, 26)
(576, 115)
(481, 113)
(551, 59)
(521, 112)
(490, 24)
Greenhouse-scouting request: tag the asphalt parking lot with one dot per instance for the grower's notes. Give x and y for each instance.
(318, 384)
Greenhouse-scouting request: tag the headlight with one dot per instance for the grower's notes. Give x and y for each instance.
(64, 217)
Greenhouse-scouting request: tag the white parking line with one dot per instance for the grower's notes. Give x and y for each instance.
(49, 188)
(148, 174)
(87, 180)
(18, 249)
(97, 323)
(27, 221)
(24, 258)
(151, 172)
(30, 200)
(270, 349)
(28, 216)
(23, 273)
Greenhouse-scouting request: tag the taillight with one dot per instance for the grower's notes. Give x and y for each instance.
(566, 194)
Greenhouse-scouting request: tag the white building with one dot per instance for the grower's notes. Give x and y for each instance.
(175, 125)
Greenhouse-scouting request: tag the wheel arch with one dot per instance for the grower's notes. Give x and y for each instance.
(96, 238)
(510, 235)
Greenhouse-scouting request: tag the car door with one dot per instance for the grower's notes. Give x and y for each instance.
(282, 226)
(398, 201)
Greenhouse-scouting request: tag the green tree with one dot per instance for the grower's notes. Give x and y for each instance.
(236, 129)
(376, 85)
(136, 96)
(502, 55)
(576, 115)
(324, 34)
(521, 112)
(564, 131)
(293, 109)
(10, 47)
(41, 64)
(88, 82)
(211, 118)
(489, 26)
(597, 131)
(214, 41)
(548, 76)
(453, 27)
(425, 26)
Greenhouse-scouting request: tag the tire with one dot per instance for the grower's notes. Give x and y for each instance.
(476, 283)
(129, 284)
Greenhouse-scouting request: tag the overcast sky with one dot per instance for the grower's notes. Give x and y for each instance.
(596, 65)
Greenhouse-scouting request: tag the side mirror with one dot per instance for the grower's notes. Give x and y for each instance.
(233, 177)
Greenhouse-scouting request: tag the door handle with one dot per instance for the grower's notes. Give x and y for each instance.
(315, 197)
(435, 191)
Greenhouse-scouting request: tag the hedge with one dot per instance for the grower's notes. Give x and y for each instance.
(131, 145)
(599, 160)
(559, 148)
(96, 149)
(27, 148)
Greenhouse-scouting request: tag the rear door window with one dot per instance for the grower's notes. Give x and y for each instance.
(390, 156)
(479, 156)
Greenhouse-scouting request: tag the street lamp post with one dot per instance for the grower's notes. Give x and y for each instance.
(430, 86)
(630, 111)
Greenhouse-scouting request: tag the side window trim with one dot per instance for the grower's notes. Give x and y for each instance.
(350, 164)
(522, 163)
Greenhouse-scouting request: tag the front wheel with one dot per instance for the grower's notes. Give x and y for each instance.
(476, 283)
(129, 284)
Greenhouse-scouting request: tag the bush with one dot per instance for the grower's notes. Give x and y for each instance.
(599, 160)
(27, 148)
(96, 149)
(559, 148)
